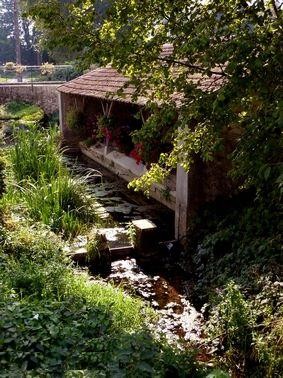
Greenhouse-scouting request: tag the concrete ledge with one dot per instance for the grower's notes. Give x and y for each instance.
(127, 168)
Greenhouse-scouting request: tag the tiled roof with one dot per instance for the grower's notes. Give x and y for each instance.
(101, 83)
(104, 83)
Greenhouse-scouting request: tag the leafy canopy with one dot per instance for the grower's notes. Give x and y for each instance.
(237, 43)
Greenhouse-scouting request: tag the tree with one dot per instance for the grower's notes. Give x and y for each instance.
(7, 50)
(17, 31)
(18, 35)
(238, 43)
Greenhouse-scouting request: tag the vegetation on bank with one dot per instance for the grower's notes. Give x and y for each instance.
(235, 248)
(21, 111)
(54, 321)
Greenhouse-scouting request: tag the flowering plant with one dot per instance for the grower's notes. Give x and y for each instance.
(136, 153)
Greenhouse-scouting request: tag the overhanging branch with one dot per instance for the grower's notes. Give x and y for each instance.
(193, 66)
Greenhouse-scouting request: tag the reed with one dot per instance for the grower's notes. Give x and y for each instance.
(61, 203)
(51, 194)
(36, 154)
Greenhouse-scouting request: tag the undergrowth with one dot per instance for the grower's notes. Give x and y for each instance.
(55, 322)
(236, 250)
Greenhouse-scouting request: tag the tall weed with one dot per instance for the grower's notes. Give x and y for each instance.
(36, 155)
(52, 196)
(61, 203)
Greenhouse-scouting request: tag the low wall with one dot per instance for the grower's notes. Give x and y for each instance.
(42, 94)
(126, 168)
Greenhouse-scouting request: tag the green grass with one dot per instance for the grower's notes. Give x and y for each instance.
(45, 186)
(62, 203)
(26, 112)
(54, 322)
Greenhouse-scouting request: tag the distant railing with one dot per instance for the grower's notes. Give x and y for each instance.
(10, 74)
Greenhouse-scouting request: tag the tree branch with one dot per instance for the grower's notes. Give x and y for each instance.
(186, 64)
(275, 9)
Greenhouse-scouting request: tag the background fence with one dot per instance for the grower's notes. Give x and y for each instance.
(35, 74)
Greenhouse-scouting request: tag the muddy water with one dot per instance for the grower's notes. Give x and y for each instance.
(161, 283)
(178, 318)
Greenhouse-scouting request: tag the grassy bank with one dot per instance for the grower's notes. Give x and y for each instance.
(56, 322)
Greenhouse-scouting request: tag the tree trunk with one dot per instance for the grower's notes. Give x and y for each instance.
(17, 38)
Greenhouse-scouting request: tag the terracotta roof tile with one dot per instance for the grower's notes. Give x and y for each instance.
(105, 82)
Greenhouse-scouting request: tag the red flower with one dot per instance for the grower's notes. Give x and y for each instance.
(136, 153)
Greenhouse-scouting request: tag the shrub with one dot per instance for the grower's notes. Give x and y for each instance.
(23, 111)
(236, 239)
(98, 254)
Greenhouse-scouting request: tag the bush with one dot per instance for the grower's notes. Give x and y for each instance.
(98, 254)
(74, 119)
(236, 239)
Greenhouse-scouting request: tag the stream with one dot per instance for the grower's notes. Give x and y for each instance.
(159, 282)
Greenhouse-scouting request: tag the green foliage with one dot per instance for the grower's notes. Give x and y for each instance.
(49, 192)
(235, 239)
(232, 323)
(131, 232)
(66, 73)
(61, 203)
(248, 331)
(23, 111)
(35, 155)
(74, 119)
(54, 322)
(156, 174)
(222, 73)
(98, 254)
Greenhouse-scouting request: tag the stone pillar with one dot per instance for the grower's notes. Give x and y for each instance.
(182, 203)
(61, 111)
(189, 197)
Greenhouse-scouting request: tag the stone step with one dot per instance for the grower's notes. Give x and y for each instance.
(120, 253)
(118, 244)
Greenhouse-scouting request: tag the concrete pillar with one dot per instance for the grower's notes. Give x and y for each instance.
(182, 203)
(145, 237)
(61, 112)
(189, 196)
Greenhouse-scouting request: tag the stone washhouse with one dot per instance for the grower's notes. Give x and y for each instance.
(92, 97)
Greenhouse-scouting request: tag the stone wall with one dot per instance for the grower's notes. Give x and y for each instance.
(44, 95)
